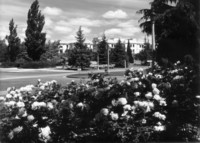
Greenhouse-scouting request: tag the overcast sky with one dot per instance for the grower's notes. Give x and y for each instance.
(117, 18)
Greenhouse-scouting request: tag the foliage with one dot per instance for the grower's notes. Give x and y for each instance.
(35, 38)
(145, 54)
(102, 50)
(79, 56)
(161, 105)
(3, 49)
(118, 55)
(13, 42)
(176, 27)
(51, 52)
(129, 53)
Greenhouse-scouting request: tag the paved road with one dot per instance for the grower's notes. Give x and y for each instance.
(13, 77)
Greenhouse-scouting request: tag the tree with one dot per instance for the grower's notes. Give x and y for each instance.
(80, 55)
(129, 53)
(51, 50)
(35, 38)
(145, 54)
(13, 42)
(118, 55)
(176, 27)
(3, 49)
(102, 50)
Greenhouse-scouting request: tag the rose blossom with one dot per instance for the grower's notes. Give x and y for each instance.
(159, 128)
(8, 96)
(122, 101)
(156, 91)
(148, 95)
(127, 107)
(153, 85)
(2, 99)
(20, 104)
(45, 133)
(104, 111)
(30, 118)
(114, 116)
(18, 129)
(137, 94)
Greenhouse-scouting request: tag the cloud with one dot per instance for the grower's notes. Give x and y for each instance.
(84, 22)
(118, 14)
(53, 11)
(62, 29)
(113, 32)
(86, 30)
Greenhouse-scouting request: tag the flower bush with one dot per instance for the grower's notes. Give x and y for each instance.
(155, 106)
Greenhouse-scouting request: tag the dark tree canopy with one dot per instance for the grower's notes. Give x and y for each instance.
(118, 55)
(3, 49)
(176, 27)
(80, 55)
(129, 53)
(13, 42)
(102, 50)
(35, 38)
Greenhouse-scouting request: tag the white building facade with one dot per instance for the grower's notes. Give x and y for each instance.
(135, 45)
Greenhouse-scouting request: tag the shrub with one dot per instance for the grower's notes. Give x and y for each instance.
(160, 105)
(38, 64)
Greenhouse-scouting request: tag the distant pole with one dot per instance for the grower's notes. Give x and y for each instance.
(108, 57)
(153, 42)
(98, 60)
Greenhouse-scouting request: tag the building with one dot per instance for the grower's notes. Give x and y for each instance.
(70, 45)
(135, 45)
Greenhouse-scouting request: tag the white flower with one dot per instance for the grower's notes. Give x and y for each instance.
(198, 96)
(11, 135)
(114, 116)
(42, 87)
(18, 129)
(42, 104)
(144, 121)
(159, 115)
(12, 92)
(8, 96)
(159, 128)
(163, 103)
(136, 103)
(124, 113)
(9, 89)
(80, 105)
(142, 104)
(151, 105)
(127, 107)
(35, 105)
(104, 111)
(140, 70)
(10, 103)
(150, 73)
(148, 109)
(153, 85)
(20, 104)
(49, 105)
(122, 101)
(149, 95)
(30, 118)
(136, 79)
(157, 97)
(137, 94)
(45, 133)
(2, 98)
(156, 91)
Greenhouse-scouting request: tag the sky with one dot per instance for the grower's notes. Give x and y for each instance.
(115, 18)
